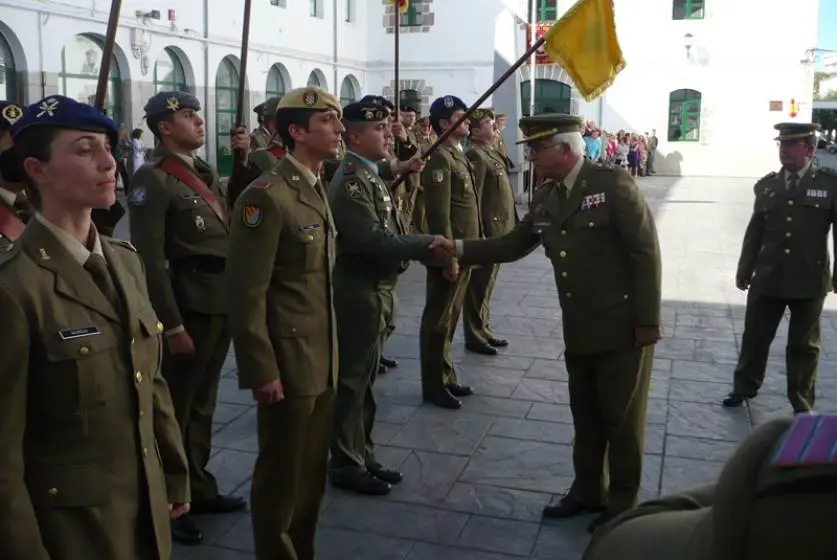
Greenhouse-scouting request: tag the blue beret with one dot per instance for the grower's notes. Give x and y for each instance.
(443, 107)
(63, 112)
(364, 111)
(167, 102)
(10, 113)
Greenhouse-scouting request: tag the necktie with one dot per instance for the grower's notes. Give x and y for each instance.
(97, 266)
(563, 192)
(792, 181)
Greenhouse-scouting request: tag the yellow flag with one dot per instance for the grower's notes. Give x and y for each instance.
(583, 42)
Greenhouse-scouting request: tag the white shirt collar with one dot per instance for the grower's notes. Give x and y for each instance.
(799, 174)
(7, 196)
(571, 177)
(79, 252)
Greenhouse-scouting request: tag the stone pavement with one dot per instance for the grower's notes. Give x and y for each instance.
(477, 479)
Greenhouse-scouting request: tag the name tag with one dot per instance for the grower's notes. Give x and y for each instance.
(81, 332)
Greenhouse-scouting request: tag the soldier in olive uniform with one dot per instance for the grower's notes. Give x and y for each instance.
(411, 183)
(255, 161)
(14, 207)
(92, 463)
(452, 210)
(262, 137)
(425, 140)
(282, 250)
(373, 251)
(498, 217)
(180, 226)
(601, 238)
(775, 499)
(785, 265)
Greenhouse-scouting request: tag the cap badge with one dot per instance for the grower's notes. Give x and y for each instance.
(172, 104)
(478, 114)
(47, 107)
(309, 99)
(12, 113)
(369, 114)
(449, 102)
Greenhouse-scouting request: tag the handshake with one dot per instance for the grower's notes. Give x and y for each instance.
(442, 253)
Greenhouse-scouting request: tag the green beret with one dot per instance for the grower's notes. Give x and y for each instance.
(481, 114)
(269, 107)
(364, 111)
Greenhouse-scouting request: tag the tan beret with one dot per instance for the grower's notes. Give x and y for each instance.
(310, 97)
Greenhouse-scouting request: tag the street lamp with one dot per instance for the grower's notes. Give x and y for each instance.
(688, 41)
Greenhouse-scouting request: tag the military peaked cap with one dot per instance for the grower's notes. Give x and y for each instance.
(539, 127)
(168, 102)
(269, 107)
(796, 130)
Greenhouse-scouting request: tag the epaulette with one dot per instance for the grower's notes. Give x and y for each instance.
(605, 166)
(260, 184)
(122, 243)
(810, 441)
(770, 175)
(827, 171)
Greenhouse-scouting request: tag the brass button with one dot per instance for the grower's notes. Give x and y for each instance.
(787, 251)
(145, 452)
(138, 377)
(141, 413)
(591, 224)
(159, 326)
(625, 296)
(563, 232)
(563, 275)
(790, 203)
(816, 205)
(83, 351)
(569, 294)
(52, 492)
(133, 341)
(787, 234)
(562, 254)
(310, 238)
(790, 219)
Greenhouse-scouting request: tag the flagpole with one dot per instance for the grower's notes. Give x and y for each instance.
(397, 33)
(533, 61)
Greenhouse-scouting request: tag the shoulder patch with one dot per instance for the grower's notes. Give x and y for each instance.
(260, 184)
(353, 189)
(810, 441)
(437, 175)
(251, 215)
(138, 196)
(122, 243)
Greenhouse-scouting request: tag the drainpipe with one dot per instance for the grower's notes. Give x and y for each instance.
(211, 141)
(334, 54)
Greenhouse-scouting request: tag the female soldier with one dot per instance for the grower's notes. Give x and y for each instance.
(93, 465)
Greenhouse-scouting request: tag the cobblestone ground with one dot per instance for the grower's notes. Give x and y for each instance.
(477, 479)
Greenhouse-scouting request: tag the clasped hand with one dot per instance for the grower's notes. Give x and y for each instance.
(443, 254)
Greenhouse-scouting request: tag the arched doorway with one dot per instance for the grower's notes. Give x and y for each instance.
(410, 98)
(169, 74)
(80, 59)
(8, 72)
(277, 85)
(551, 96)
(317, 78)
(348, 91)
(226, 99)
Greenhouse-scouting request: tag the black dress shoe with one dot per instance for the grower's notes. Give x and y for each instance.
(218, 504)
(460, 390)
(389, 362)
(568, 507)
(444, 400)
(361, 483)
(378, 471)
(382, 369)
(598, 521)
(735, 399)
(184, 530)
(485, 349)
(498, 342)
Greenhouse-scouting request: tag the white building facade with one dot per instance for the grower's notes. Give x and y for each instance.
(712, 104)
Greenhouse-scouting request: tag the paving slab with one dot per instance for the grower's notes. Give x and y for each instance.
(477, 479)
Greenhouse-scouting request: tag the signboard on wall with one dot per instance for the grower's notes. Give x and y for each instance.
(540, 29)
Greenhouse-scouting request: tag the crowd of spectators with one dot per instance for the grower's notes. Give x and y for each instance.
(633, 151)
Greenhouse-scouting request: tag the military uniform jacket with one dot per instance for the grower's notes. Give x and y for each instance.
(259, 139)
(406, 149)
(603, 245)
(371, 241)
(785, 248)
(12, 220)
(180, 237)
(265, 159)
(282, 251)
(450, 201)
(89, 435)
(497, 209)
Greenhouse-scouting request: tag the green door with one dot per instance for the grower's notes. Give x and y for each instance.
(226, 98)
(550, 97)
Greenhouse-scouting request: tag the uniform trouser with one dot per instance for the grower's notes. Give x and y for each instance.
(289, 476)
(477, 299)
(608, 400)
(761, 320)
(437, 329)
(193, 384)
(361, 336)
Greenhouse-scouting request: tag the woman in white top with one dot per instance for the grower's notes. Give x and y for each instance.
(137, 150)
